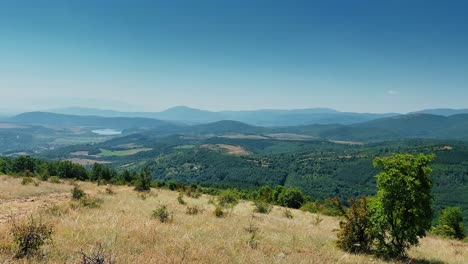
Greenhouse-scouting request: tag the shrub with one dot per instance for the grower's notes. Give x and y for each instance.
(317, 220)
(312, 207)
(450, 224)
(355, 231)
(291, 197)
(180, 199)
(229, 198)
(54, 179)
(77, 193)
(91, 202)
(287, 213)
(192, 191)
(172, 185)
(253, 231)
(192, 210)
(109, 190)
(218, 212)
(96, 257)
(29, 180)
(276, 193)
(162, 214)
(262, 207)
(30, 236)
(265, 194)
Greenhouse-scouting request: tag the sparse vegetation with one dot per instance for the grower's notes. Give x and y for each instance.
(30, 236)
(180, 199)
(29, 180)
(78, 193)
(218, 212)
(110, 190)
(229, 198)
(54, 179)
(355, 233)
(126, 217)
(288, 214)
(192, 210)
(98, 256)
(91, 202)
(262, 207)
(162, 214)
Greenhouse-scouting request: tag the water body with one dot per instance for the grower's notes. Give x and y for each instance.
(107, 132)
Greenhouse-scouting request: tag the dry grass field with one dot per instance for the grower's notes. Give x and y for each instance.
(123, 226)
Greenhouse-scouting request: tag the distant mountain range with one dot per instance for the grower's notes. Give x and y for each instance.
(442, 111)
(381, 129)
(264, 117)
(64, 121)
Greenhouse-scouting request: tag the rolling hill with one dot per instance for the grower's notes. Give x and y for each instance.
(410, 126)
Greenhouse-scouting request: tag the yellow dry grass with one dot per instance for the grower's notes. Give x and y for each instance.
(126, 231)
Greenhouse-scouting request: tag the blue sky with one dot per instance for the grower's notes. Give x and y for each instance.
(364, 56)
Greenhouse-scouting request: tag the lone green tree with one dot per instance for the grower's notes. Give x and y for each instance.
(402, 209)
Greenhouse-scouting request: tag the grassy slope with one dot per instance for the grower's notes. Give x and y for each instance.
(125, 229)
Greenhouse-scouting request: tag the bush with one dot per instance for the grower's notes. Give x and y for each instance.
(229, 198)
(54, 179)
(265, 194)
(162, 214)
(172, 185)
(192, 191)
(96, 257)
(355, 231)
(192, 210)
(77, 193)
(109, 190)
(218, 212)
(29, 180)
(287, 213)
(91, 202)
(262, 207)
(29, 237)
(291, 197)
(312, 207)
(450, 224)
(180, 199)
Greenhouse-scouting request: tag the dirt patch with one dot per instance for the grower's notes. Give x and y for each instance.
(129, 146)
(229, 149)
(346, 142)
(87, 162)
(290, 136)
(10, 126)
(20, 207)
(242, 136)
(80, 153)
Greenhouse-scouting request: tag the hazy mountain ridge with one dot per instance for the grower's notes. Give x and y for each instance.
(388, 128)
(63, 120)
(262, 117)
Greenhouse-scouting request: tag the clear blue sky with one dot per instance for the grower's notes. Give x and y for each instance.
(365, 56)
